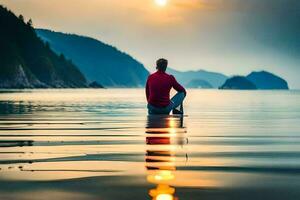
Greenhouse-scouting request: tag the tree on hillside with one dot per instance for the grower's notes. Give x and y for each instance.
(29, 23)
(21, 17)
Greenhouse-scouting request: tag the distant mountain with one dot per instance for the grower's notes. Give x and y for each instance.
(213, 78)
(27, 62)
(98, 61)
(238, 83)
(198, 83)
(267, 81)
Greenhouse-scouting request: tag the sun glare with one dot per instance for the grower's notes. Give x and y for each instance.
(161, 2)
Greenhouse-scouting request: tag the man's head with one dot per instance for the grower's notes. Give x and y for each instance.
(161, 64)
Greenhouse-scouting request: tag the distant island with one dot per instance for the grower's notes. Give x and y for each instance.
(238, 83)
(262, 80)
(28, 62)
(267, 81)
(97, 61)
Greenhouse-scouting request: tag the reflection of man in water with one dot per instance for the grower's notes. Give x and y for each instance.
(163, 134)
(158, 87)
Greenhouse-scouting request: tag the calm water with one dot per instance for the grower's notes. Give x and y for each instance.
(100, 144)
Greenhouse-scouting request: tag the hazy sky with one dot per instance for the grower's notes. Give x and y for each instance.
(229, 36)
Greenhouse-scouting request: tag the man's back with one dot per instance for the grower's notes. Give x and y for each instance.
(159, 85)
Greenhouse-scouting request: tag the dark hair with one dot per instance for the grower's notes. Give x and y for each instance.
(162, 64)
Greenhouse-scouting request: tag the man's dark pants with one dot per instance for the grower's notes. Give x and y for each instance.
(176, 101)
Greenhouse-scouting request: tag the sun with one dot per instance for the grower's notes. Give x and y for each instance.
(161, 2)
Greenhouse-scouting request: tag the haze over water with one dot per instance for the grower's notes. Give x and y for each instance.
(100, 144)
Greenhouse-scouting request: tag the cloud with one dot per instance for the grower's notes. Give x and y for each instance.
(192, 5)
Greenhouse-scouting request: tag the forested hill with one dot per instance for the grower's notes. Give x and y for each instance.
(98, 61)
(27, 62)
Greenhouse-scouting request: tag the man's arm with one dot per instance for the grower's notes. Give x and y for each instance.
(177, 86)
(147, 90)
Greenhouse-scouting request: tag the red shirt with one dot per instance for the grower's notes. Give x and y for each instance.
(158, 87)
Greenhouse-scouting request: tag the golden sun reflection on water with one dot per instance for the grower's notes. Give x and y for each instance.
(161, 161)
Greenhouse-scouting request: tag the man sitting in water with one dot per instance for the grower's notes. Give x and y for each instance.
(158, 87)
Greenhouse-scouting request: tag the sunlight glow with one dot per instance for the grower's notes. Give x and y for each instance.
(164, 176)
(164, 197)
(161, 2)
(162, 192)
